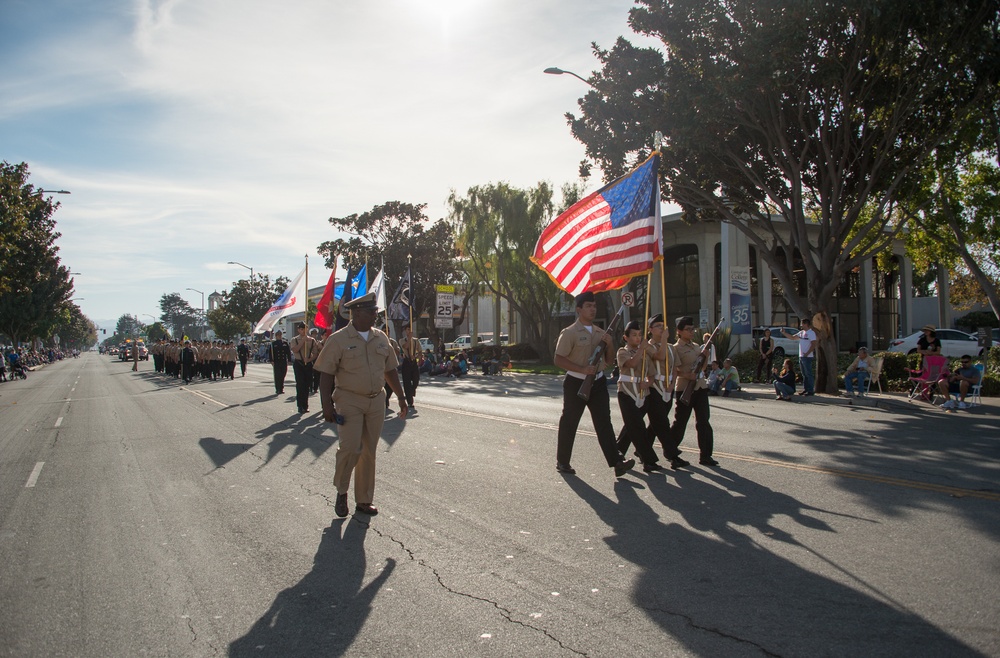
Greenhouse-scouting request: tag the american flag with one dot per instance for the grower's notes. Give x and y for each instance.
(607, 238)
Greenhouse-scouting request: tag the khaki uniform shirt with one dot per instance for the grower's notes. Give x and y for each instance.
(661, 369)
(414, 351)
(628, 378)
(304, 347)
(578, 345)
(686, 355)
(359, 366)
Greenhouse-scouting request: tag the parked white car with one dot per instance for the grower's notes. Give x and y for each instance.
(782, 345)
(954, 343)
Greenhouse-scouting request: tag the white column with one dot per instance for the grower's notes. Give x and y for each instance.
(866, 305)
(905, 295)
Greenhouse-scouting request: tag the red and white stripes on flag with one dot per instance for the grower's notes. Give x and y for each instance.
(607, 238)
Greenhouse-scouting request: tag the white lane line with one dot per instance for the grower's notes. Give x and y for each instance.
(33, 478)
(59, 421)
(208, 397)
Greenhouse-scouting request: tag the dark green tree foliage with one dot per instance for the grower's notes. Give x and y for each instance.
(250, 300)
(179, 315)
(128, 326)
(226, 325)
(34, 287)
(496, 228)
(385, 236)
(799, 123)
(75, 330)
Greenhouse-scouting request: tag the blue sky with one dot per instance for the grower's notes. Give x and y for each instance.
(196, 132)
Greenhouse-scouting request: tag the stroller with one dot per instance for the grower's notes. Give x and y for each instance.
(924, 382)
(18, 371)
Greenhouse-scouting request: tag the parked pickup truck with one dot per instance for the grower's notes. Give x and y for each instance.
(461, 343)
(464, 342)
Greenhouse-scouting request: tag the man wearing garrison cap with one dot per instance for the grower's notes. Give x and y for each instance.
(359, 360)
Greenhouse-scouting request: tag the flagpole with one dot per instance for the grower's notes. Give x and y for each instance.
(306, 312)
(409, 274)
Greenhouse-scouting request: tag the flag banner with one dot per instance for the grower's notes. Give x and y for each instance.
(399, 307)
(326, 307)
(359, 285)
(343, 315)
(607, 238)
(378, 287)
(291, 301)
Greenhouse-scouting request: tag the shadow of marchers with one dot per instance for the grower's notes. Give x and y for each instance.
(295, 432)
(729, 595)
(222, 453)
(323, 613)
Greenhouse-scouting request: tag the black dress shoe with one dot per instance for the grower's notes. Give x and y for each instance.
(708, 461)
(565, 468)
(366, 508)
(651, 468)
(621, 468)
(341, 507)
(677, 462)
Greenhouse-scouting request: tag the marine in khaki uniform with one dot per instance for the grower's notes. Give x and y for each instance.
(574, 348)
(686, 353)
(359, 360)
(660, 371)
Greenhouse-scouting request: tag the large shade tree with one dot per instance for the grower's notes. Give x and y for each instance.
(799, 123)
(249, 299)
(496, 227)
(34, 285)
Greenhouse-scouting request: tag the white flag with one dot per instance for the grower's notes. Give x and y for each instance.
(378, 287)
(291, 301)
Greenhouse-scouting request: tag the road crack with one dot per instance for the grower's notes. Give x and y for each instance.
(504, 612)
(708, 629)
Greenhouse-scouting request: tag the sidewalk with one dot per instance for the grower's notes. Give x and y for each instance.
(890, 401)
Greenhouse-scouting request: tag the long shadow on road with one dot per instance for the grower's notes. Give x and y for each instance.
(731, 589)
(323, 613)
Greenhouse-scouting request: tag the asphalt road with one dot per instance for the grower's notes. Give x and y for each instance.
(142, 517)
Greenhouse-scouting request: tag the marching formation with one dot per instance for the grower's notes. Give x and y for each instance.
(652, 376)
(209, 360)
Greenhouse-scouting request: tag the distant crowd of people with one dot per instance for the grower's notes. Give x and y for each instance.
(15, 362)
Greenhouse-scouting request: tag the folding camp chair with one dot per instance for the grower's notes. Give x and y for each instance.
(975, 397)
(874, 373)
(924, 382)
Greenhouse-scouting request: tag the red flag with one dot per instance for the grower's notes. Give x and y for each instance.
(607, 238)
(326, 308)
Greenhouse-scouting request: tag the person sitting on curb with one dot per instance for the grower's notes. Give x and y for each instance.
(713, 377)
(857, 373)
(728, 378)
(784, 381)
(959, 383)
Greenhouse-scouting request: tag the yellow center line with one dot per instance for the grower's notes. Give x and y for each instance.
(958, 492)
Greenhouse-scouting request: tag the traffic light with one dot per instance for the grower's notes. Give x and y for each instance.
(105, 331)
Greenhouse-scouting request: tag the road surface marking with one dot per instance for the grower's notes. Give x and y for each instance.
(59, 421)
(208, 397)
(958, 492)
(33, 478)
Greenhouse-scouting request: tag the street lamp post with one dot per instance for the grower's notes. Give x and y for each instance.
(555, 70)
(202, 304)
(41, 191)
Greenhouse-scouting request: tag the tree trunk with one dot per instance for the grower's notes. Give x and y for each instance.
(826, 354)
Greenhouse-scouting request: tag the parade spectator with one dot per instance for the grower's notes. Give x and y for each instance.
(727, 379)
(807, 354)
(959, 383)
(765, 356)
(929, 343)
(858, 372)
(713, 377)
(784, 381)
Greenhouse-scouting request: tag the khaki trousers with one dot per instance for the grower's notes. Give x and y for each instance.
(357, 440)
